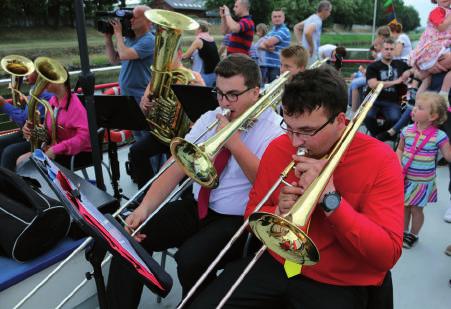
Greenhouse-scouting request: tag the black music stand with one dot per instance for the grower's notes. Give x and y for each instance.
(123, 113)
(195, 100)
(107, 235)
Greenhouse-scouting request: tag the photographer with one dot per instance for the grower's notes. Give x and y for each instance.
(135, 54)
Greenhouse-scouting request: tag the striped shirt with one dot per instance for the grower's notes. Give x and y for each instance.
(282, 33)
(423, 165)
(241, 41)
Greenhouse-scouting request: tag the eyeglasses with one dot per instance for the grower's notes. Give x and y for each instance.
(231, 97)
(308, 132)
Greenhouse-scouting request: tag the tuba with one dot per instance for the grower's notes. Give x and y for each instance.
(166, 117)
(49, 71)
(18, 67)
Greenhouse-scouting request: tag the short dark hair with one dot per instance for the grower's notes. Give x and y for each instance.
(341, 50)
(313, 89)
(240, 64)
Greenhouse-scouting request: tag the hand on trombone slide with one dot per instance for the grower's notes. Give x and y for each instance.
(133, 221)
(234, 139)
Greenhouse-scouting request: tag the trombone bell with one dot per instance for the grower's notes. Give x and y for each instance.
(284, 238)
(195, 162)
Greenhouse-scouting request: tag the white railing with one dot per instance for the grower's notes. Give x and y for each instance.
(110, 68)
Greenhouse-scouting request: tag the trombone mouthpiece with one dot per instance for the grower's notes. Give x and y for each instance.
(225, 112)
(301, 151)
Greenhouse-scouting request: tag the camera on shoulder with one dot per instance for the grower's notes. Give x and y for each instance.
(124, 16)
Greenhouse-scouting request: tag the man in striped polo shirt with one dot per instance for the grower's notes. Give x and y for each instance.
(242, 32)
(278, 38)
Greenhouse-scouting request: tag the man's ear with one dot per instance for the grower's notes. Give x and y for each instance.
(256, 92)
(341, 119)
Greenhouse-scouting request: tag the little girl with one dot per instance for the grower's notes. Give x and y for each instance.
(432, 54)
(417, 152)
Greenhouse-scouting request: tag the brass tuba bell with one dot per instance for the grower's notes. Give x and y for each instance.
(49, 71)
(18, 67)
(166, 117)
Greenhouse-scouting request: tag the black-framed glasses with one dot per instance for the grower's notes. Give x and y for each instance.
(231, 97)
(307, 132)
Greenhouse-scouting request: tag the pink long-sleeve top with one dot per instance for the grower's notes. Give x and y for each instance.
(72, 133)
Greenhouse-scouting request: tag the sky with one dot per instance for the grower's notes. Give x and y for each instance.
(423, 8)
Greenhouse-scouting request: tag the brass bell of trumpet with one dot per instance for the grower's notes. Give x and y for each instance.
(18, 67)
(288, 236)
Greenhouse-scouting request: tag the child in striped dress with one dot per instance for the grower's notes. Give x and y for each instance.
(417, 152)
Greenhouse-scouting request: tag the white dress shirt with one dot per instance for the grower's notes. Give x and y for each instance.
(231, 195)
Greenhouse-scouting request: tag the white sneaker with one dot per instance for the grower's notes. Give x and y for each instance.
(447, 216)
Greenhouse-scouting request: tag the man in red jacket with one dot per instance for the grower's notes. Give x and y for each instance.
(357, 227)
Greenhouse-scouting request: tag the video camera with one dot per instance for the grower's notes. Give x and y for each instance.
(123, 15)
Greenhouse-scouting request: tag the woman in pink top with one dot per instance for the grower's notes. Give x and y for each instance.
(72, 132)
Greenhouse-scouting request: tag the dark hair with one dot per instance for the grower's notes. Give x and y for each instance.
(341, 50)
(240, 64)
(68, 88)
(313, 89)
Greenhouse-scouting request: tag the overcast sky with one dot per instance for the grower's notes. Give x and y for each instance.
(423, 8)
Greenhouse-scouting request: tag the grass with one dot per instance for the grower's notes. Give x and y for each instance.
(62, 44)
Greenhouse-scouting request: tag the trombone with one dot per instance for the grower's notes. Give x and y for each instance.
(18, 67)
(196, 160)
(300, 152)
(276, 231)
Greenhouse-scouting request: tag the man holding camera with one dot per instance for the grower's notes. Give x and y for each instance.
(135, 54)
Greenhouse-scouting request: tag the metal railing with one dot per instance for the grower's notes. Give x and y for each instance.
(103, 69)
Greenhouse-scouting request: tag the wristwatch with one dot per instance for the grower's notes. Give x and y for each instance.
(331, 201)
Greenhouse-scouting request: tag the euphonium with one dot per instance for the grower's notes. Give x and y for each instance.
(18, 67)
(49, 71)
(196, 160)
(166, 117)
(287, 236)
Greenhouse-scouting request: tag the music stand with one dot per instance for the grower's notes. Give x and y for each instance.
(123, 113)
(195, 100)
(106, 234)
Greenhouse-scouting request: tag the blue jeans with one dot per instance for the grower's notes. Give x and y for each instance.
(404, 119)
(355, 83)
(209, 79)
(12, 146)
(391, 112)
(269, 74)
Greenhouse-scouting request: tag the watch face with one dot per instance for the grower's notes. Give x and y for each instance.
(332, 200)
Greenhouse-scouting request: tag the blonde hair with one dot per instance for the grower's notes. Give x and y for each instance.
(263, 28)
(439, 105)
(298, 53)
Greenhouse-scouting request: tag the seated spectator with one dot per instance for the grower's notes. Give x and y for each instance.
(391, 73)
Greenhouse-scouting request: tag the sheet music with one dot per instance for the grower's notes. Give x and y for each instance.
(109, 228)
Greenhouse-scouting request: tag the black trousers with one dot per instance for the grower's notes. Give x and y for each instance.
(267, 286)
(139, 157)
(198, 243)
